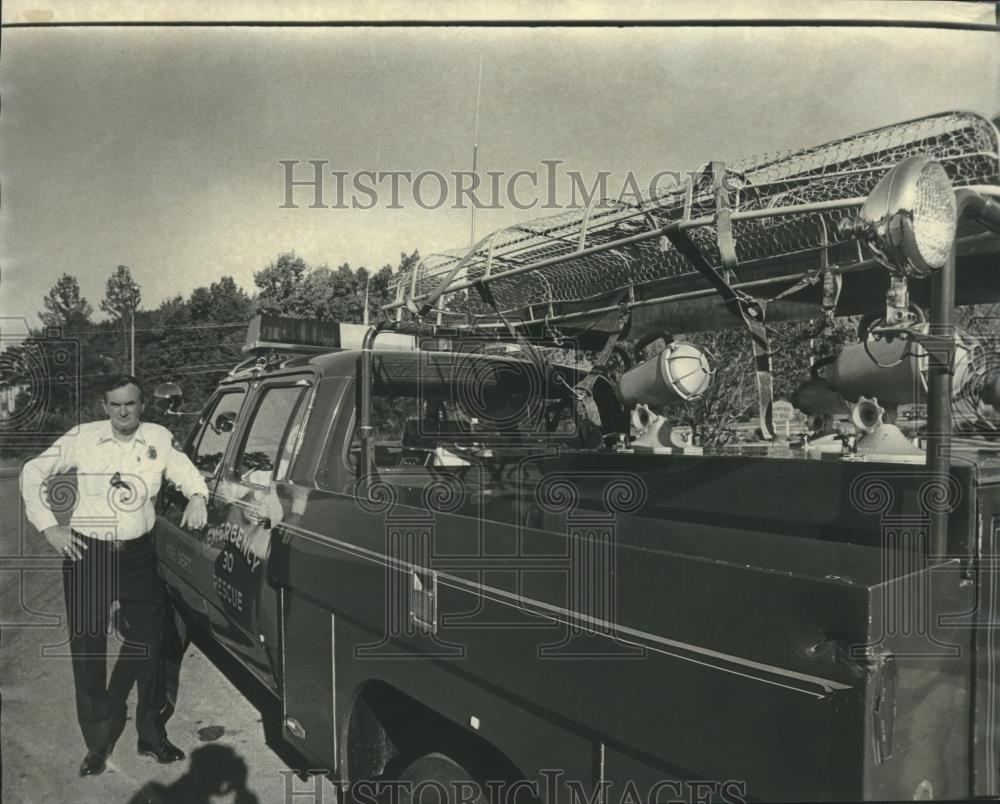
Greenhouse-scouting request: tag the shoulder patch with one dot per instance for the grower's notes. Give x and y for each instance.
(176, 445)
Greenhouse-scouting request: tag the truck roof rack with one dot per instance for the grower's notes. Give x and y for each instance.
(782, 208)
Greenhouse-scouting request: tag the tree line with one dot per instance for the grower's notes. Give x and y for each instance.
(52, 379)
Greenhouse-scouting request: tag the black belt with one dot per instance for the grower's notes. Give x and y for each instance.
(117, 544)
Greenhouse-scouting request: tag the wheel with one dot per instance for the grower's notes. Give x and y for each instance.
(438, 779)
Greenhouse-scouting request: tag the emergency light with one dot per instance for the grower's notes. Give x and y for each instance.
(680, 373)
(894, 372)
(315, 336)
(909, 219)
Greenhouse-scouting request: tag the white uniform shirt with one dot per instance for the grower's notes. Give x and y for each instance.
(117, 481)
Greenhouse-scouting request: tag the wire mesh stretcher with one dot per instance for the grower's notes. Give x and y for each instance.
(761, 209)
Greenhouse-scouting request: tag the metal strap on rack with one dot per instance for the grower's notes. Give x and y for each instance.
(749, 309)
(723, 218)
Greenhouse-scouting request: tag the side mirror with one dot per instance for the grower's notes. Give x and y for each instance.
(169, 393)
(224, 422)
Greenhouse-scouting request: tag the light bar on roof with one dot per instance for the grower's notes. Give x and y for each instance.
(313, 336)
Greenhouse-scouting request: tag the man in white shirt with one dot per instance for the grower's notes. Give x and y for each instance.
(109, 555)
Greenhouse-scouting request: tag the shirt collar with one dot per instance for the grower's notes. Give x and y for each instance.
(108, 435)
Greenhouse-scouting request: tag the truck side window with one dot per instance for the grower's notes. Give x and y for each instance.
(390, 416)
(436, 427)
(264, 439)
(292, 440)
(217, 431)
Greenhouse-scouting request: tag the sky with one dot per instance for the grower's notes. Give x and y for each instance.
(160, 148)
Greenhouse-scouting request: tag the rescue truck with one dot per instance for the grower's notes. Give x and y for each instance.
(466, 560)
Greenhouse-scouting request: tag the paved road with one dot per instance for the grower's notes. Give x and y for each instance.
(221, 725)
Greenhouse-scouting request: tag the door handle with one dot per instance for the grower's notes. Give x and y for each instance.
(423, 600)
(262, 521)
(295, 728)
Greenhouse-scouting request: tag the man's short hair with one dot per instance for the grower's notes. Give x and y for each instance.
(117, 381)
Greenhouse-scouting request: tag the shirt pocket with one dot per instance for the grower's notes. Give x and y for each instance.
(94, 486)
(150, 472)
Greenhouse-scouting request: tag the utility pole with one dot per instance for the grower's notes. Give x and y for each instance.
(132, 341)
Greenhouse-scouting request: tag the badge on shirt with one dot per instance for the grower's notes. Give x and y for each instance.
(151, 453)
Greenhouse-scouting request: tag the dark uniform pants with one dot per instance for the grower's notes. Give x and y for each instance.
(128, 575)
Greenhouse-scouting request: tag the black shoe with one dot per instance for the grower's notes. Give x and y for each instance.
(164, 753)
(94, 763)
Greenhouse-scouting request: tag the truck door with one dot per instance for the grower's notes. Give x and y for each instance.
(182, 551)
(249, 507)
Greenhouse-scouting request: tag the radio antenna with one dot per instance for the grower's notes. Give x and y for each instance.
(475, 150)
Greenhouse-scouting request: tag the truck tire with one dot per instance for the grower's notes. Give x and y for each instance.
(438, 779)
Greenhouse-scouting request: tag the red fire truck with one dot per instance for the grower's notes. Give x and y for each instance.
(481, 572)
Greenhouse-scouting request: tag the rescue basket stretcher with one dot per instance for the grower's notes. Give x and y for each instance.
(769, 222)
